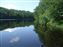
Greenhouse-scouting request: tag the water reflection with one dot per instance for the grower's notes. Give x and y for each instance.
(12, 24)
(19, 36)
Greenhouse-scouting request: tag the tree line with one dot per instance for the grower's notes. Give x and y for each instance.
(15, 14)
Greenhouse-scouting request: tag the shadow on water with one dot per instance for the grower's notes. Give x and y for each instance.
(13, 23)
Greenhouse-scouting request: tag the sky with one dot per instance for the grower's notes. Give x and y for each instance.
(27, 5)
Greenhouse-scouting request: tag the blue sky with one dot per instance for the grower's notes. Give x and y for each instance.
(28, 5)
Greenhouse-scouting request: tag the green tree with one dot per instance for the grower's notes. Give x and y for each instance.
(49, 14)
(15, 14)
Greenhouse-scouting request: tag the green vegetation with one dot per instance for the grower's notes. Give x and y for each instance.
(15, 14)
(49, 22)
(12, 18)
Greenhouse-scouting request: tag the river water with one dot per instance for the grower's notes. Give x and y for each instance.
(13, 34)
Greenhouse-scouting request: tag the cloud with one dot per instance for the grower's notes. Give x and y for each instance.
(19, 28)
(10, 29)
(13, 40)
(8, 5)
(28, 5)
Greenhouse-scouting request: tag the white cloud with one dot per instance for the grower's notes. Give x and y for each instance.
(16, 39)
(19, 28)
(10, 29)
(27, 5)
(8, 5)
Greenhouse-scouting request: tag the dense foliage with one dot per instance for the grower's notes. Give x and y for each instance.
(49, 22)
(15, 14)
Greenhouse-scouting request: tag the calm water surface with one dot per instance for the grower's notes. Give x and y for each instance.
(21, 36)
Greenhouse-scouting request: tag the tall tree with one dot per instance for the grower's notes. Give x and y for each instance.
(49, 14)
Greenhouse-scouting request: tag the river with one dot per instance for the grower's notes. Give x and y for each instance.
(18, 34)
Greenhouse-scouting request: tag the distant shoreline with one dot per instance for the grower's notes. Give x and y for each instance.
(1, 20)
(7, 19)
